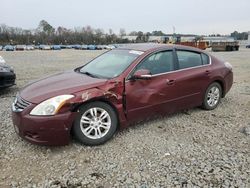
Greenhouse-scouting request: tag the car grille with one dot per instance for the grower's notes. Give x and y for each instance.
(9, 80)
(20, 104)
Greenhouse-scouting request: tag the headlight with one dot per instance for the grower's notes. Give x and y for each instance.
(50, 106)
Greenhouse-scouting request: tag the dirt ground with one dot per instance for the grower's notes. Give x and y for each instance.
(195, 148)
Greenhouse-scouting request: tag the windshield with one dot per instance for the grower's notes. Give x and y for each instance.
(110, 64)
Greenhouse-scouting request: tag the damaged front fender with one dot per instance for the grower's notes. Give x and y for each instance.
(97, 94)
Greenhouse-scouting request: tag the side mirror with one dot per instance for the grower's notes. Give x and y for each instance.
(142, 74)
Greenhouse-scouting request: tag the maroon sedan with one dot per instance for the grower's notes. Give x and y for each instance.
(120, 87)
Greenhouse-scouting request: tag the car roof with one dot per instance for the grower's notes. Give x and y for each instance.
(155, 46)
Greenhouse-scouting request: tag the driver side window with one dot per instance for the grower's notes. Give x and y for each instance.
(158, 63)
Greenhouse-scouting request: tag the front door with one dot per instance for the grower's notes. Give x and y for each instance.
(146, 97)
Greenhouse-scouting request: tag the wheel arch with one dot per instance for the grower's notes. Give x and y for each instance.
(222, 84)
(99, 99)
(220, 81)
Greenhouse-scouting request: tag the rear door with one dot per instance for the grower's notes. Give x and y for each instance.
(191, 78)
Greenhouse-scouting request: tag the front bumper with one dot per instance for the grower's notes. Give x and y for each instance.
(7, 79)
(43, 130)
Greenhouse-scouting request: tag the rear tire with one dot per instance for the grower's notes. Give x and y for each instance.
(212, 96)
(95, 124)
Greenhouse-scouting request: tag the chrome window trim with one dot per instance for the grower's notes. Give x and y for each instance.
(160, 74)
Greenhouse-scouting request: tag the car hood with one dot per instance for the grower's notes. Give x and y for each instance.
(60, 84)
(6, 68)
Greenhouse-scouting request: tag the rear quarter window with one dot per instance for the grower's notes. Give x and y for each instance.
(205, 59)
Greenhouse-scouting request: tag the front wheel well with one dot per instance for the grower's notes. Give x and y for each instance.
(76, 107)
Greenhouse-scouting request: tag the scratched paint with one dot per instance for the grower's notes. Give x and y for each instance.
(85, 96)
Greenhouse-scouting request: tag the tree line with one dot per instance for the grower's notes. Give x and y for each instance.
(47, 34)
(240, 36)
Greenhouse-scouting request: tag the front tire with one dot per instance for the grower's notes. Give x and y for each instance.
(95, 124)
(212, 96)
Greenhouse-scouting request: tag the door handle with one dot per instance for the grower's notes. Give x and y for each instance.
(170, 82)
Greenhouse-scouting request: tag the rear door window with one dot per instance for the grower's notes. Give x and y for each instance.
(188, 59)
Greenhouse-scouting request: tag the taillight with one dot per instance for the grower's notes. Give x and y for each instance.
(228, 65)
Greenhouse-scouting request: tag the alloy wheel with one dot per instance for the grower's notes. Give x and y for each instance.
(213, 96)
(95, 123)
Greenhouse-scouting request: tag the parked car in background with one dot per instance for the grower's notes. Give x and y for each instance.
(117, 45)
(69, 47)
(30, 47)
(44, 47)
(7, 75)
(106, 47)
(20, 47)
(84, 47)
(116, 89)
(248, 46)
(9, 48)
(56, 47)
(109, 47)
(63, 46)
(37, 47)
(100, 47)
(77, 46)
(91, 47)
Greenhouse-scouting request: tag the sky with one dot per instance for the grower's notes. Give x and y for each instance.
(186, 16)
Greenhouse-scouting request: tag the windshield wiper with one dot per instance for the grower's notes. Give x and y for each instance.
(89, 74)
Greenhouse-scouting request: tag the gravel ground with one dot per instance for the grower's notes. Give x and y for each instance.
(194, 148)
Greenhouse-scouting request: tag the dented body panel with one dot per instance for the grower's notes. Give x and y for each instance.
(111, 92)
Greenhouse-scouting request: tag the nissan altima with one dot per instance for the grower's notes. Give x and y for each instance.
(118, 88)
